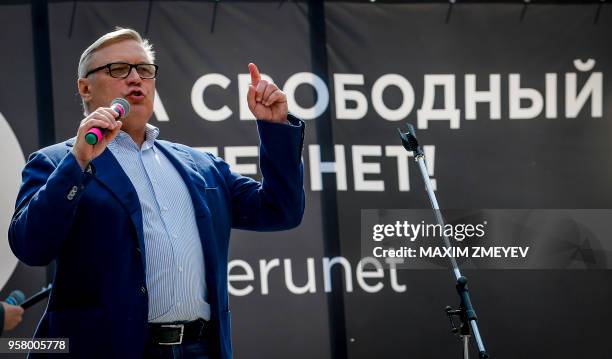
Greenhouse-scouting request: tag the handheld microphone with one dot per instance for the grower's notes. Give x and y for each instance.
(121, 106)
(43, 294)
(15, 298)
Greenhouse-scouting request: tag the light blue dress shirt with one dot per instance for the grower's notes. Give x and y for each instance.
(175, 272)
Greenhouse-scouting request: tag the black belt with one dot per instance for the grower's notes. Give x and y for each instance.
(176, 333)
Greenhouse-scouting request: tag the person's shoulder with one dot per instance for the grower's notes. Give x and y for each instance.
(196, 153)
(55, 152)
(203, 160)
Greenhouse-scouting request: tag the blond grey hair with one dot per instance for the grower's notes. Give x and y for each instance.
(120, 34)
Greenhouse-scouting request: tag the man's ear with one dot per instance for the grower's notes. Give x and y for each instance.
(84, 89)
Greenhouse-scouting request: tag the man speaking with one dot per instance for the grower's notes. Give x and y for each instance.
(139, 227)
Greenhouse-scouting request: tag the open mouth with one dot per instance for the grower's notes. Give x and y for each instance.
(135, 95)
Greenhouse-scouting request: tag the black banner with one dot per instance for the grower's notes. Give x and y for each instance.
(511, 103)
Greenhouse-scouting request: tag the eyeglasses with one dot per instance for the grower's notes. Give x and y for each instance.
(121, 70)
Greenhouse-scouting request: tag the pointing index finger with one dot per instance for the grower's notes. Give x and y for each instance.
(255, 76)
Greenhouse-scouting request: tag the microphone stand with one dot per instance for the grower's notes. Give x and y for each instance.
(465, 312)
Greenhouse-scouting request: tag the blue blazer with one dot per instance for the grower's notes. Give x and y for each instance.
(90, 222)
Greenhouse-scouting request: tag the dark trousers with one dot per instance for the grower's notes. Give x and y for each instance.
(186, 350)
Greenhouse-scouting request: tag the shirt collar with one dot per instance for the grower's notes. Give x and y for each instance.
(125, 140)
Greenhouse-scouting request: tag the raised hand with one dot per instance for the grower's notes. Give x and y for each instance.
(103, 117)
(266, 101)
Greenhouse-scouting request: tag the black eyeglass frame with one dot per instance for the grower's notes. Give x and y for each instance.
(132, 66)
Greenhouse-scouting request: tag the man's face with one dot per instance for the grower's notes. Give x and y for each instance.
(99, 88)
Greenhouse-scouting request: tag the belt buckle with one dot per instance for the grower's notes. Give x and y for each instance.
(180, 341)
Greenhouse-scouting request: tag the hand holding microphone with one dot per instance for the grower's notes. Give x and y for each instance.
(118, 105)
(13, 312)
(98, 129)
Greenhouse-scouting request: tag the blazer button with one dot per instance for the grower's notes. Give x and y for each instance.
(72, 192)
(143, 290)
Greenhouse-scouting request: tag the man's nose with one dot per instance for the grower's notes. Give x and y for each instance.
(133, 76)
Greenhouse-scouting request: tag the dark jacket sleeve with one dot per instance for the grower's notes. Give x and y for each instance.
(1, 318)
(45, 207)
(277, 202)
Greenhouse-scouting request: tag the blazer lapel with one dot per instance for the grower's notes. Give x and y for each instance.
(110, 174)
(186, 167)
(196, 184)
